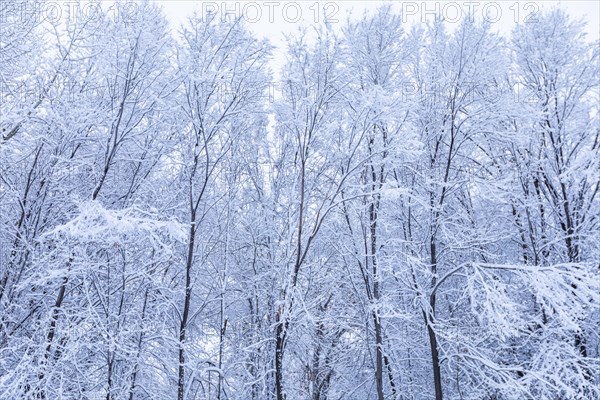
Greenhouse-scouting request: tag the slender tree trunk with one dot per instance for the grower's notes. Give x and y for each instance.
(435, 359)
(221, 344)
(376, 298)
(429, 316)
(279, 345)
(186, 306)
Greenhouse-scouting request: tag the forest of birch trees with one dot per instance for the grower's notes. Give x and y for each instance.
(397, 212)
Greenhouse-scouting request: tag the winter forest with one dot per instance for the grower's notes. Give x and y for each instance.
(396, 212)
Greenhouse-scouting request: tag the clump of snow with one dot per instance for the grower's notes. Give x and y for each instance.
(94, 223)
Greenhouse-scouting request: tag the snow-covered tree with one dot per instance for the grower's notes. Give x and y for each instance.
(409, 213)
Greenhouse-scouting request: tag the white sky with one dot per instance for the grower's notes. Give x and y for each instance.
(274, 19)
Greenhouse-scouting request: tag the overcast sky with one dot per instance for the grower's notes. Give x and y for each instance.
(274, 19)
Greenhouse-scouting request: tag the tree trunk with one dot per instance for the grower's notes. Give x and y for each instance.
(186, 307)
(429, 320)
